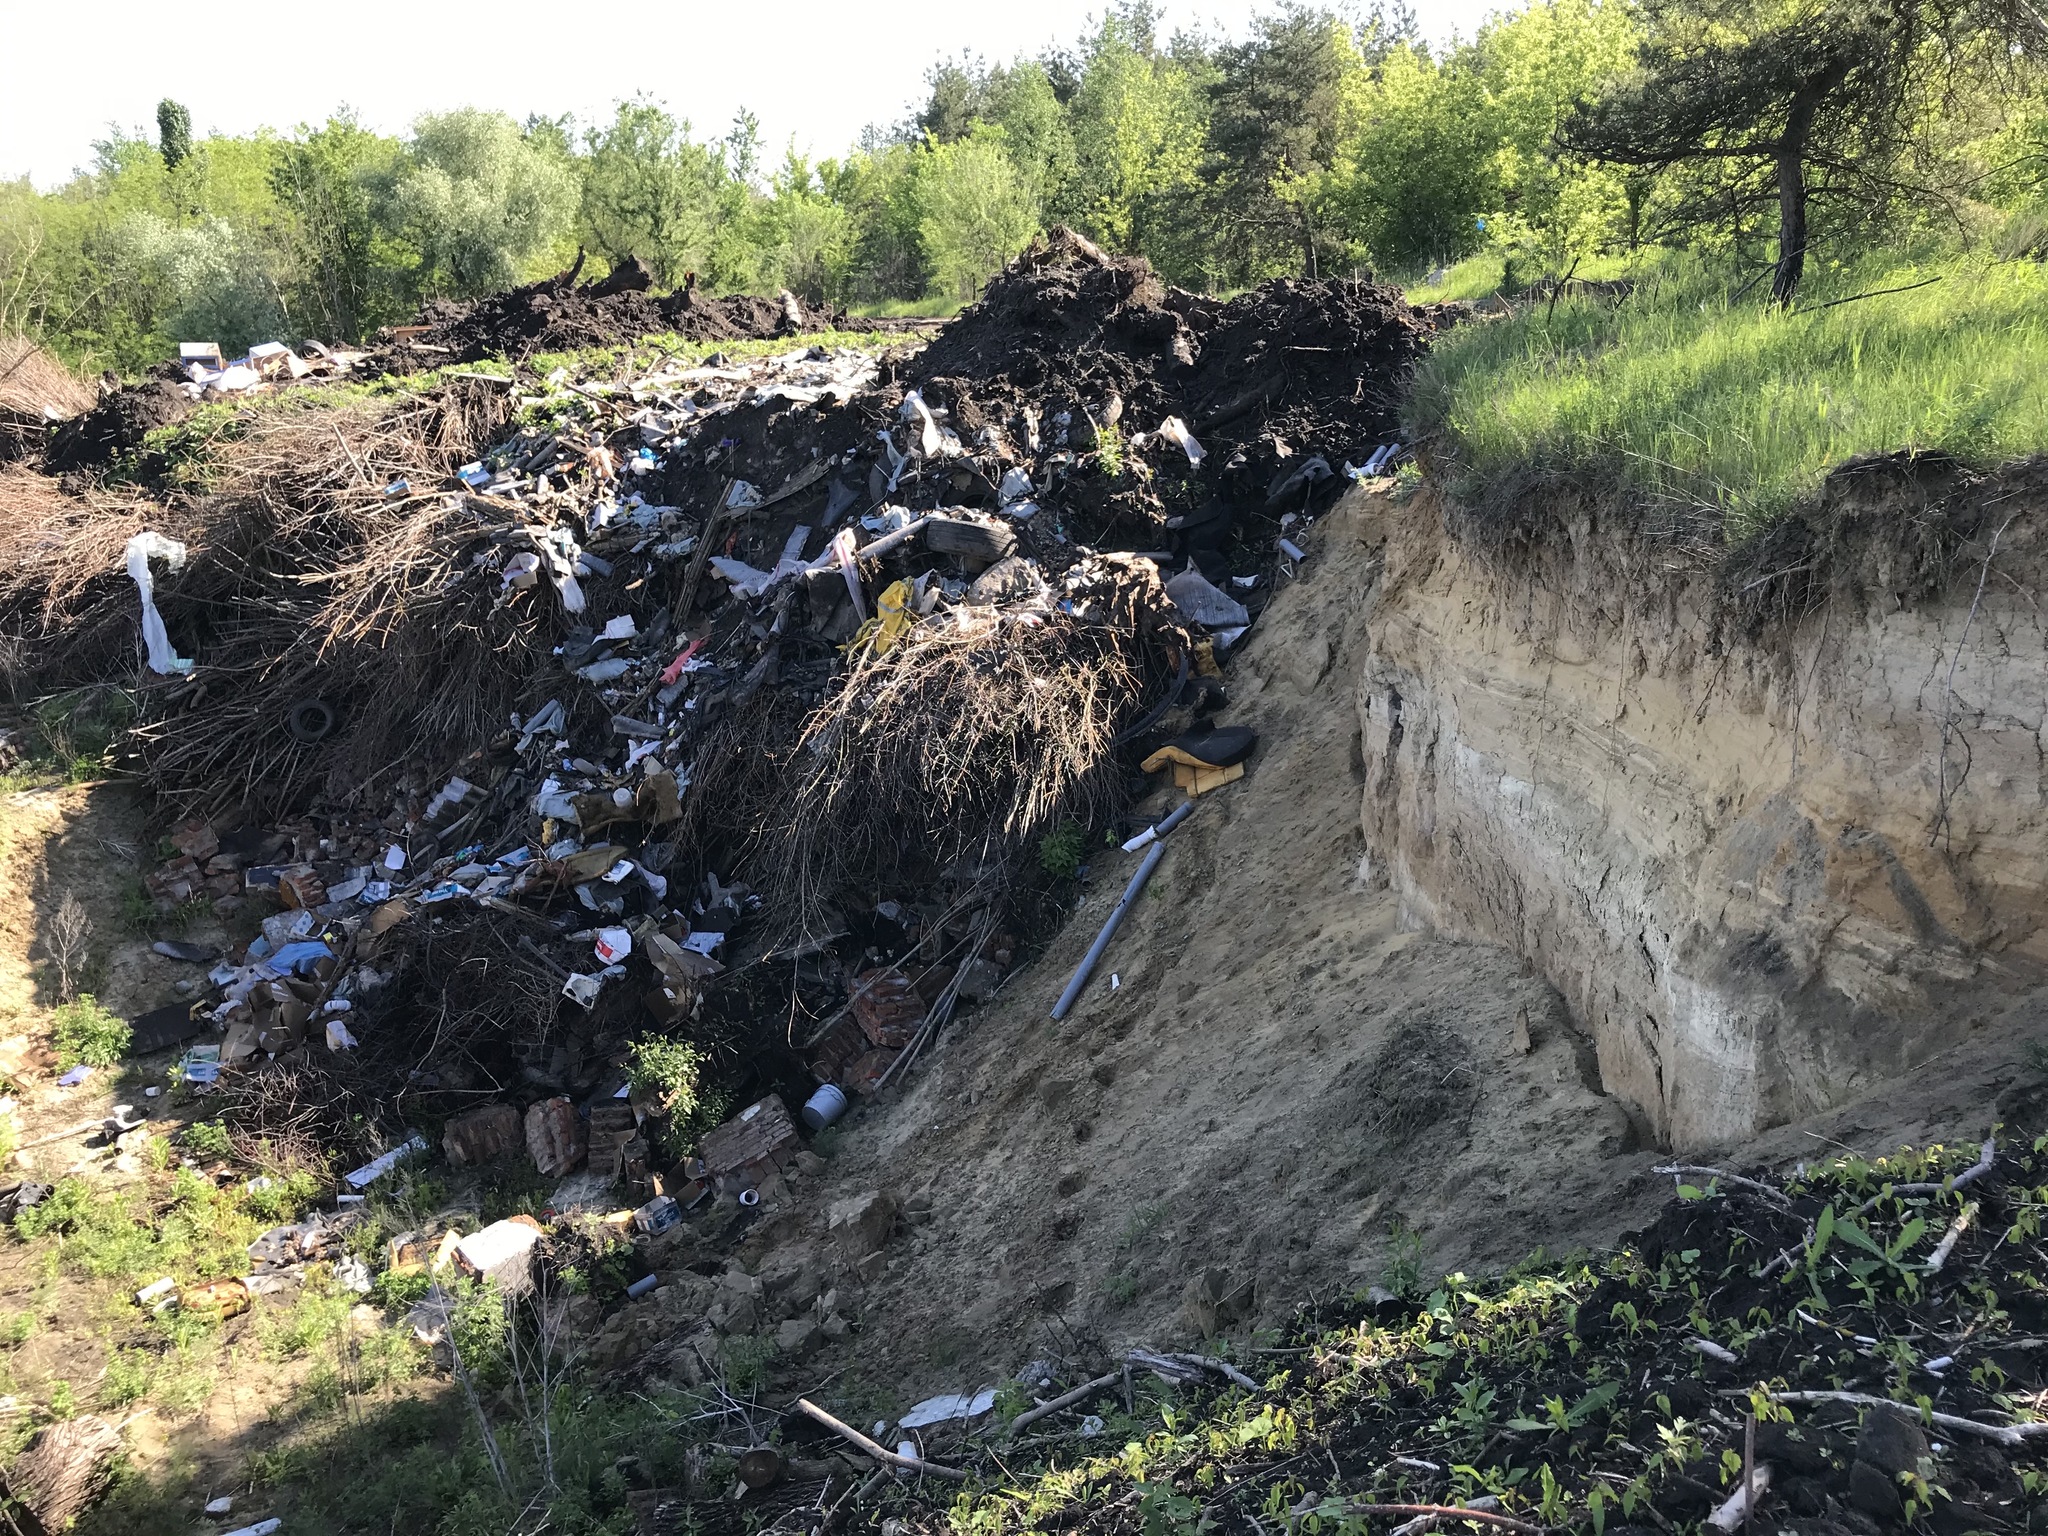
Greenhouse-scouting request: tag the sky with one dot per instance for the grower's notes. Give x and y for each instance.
(818, 70)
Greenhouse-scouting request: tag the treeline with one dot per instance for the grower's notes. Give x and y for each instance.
(1321, 143)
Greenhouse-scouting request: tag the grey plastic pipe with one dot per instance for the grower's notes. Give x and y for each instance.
(1088, 961)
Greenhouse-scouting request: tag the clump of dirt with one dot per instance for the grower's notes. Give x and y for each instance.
(119, 423)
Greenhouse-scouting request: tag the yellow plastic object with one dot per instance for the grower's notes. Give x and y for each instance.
(891, 622)
(1199, 781)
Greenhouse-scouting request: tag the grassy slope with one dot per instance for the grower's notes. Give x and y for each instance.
(1684, 393)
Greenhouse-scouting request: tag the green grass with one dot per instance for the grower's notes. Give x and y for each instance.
(908, 309)
(650, 350)
(1684, 394)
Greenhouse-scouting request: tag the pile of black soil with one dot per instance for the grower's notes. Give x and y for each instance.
(118, 424)
(558, 314)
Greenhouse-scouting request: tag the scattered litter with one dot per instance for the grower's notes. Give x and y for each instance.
(947, 1409)
(142, 549)
(377, 1167)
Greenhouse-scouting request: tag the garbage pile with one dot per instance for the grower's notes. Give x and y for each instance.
(734, 698)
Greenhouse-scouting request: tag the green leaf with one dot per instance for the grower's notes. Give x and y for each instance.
(1592, 1403)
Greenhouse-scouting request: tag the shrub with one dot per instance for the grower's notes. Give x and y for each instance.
(86, 1034)
(208, 1138)
(1060, 853)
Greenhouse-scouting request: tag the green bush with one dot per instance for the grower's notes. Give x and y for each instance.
(86, 1034)
(1060, 853)
(208, 1138)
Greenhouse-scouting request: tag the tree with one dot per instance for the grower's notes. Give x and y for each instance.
(651, 191)
(173, 132)
(1139, 118)
(975, 211)
(1778, 92)
(343, 278)
(477, 202)
(1277, 119)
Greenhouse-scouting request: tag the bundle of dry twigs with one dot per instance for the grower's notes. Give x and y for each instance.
(982, 730)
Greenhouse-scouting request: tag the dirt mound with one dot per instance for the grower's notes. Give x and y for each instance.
(558, 315)
(117, 425)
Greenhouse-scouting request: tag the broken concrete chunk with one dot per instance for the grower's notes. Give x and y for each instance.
(501, 1253)
(798, 1338)
(860, 1224)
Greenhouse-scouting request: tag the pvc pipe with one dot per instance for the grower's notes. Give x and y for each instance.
(643, 1285)
(1159, 829)
(1087, 966)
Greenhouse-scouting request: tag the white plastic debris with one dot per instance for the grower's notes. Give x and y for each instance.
(143, 548)
(898, 462)
(946, 1409)
(1199, 600)
(1175, 430)
(376, 1168)
(621, 628)
(613, 945)
(747, 580)
(221, 1505)
(929, 438)
(338, 1037)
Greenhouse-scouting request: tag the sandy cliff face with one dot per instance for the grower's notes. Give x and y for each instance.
(1764, 870)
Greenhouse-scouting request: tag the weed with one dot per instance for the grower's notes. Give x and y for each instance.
(125, 1380)
(208, 1138)
(1122, 1287)
(87, 1034)
(1403, 1271)
(672, 1073)
(315, 1316)
(68, 942)
(1109, 450)
(746, 1359)
(1060, 852)
(1140, 1224)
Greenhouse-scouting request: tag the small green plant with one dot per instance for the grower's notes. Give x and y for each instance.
(746, 1359)
(1140, 1224)
(86, 1034)
(1060, 852)
(671, 1072)
(208, 1138)
(1109, 450)
(1122, 1287)
(1402, 1273)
